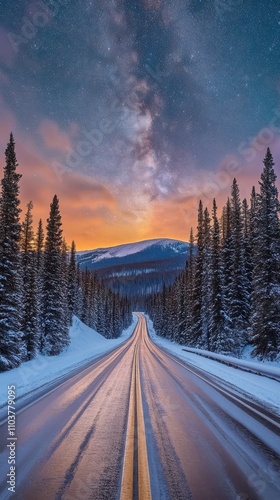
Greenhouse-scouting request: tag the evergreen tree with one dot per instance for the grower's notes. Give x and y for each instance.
(86, 296)
(226, 254)
(265, 316)
(180, 306)
(39, 246)
(10, 287)
(72, 283)
(206, 281)
(196, 326)
(55, 328)
(65, 281)
(30, 311)
(247, 251)
(238, 293)
(39, 255)
(78, 303)
(219, 339)
(190, 285)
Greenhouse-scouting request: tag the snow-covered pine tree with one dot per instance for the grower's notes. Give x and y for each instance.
(92, 299)
(190, 285)
(86, 296)
(10, 335)
(102, 312)
(126, 312)
(180, 307)
(95, 299)
(30, 309)
(117, 325)
(252, 235)
(196, 321)
(219, 338)
(79, 293)
(55, 328)
(72, 282)
(173, 303)
(110, 314)
(65, 277)
(161, 308)
(265, 315)
(226, 256)
(206, 281)
(39, 247)
(238, 287)
(247, 250)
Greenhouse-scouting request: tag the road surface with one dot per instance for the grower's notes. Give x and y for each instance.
(138, 424)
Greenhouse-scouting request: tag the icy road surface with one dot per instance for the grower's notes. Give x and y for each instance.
(139, 423)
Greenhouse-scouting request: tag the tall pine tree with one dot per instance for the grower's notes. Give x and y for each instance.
(30, 310)
(265, 316)
(219, 339)
(54, 318)
(238, 286)
(206, 281)
(10, 286)
(72, 282)
(196, 321)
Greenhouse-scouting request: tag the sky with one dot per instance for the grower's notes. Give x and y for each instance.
(131, 111)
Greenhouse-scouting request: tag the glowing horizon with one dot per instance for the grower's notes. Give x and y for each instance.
(144, 110)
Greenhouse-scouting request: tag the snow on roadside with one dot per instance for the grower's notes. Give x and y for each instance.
(258, 367)
(257, 387)
(86, 344)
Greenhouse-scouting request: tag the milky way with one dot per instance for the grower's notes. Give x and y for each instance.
(141, 105)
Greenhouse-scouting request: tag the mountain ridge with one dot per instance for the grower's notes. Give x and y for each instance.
(157, 248)
(138, 268)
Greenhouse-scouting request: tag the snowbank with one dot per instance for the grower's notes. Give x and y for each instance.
(86, 344)
(258, 367)
(264, 390)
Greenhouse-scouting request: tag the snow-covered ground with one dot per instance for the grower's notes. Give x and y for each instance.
(86, 344)
(257, 387)
(269, 369)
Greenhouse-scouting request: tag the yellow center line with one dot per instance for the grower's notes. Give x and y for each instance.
(136, 409)
(128, 463)
(144, 483)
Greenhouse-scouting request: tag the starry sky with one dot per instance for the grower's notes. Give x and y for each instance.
(133, 110)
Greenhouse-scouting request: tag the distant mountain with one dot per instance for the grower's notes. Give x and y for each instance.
(137, 268)
(142, 251)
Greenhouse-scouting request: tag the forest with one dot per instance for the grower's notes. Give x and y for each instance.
(228, 295)
(41, 284)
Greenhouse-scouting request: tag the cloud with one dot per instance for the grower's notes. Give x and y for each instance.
(54, 137)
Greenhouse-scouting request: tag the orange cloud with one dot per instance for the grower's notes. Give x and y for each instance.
(54, 137)
(77, 188)
(87, 207)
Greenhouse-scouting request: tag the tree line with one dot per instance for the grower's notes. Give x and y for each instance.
(228, 295)
(41, 284)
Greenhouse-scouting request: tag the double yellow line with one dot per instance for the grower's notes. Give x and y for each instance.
(135, 423)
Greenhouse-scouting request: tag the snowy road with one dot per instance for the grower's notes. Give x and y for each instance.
(139, 423)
